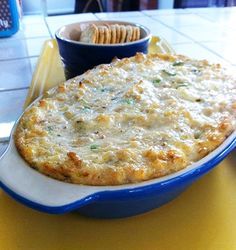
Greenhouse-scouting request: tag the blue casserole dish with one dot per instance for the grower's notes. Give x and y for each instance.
(55, 197)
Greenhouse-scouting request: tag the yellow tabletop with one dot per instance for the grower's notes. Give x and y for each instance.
(203, 217)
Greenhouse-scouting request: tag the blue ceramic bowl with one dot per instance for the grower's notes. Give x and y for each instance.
(51, 196)
(78, 57)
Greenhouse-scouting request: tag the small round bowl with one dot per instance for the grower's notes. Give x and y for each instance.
(78, 57)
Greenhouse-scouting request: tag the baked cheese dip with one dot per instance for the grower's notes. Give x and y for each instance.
(132, 120)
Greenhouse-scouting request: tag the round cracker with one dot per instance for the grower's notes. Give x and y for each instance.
(128, 33)
(137, 29)
(84, 35)
(123, 34)
(133, 34)
(106, 35)
(89, 34)
(109, 33)
(118, 33)
(93, 30)
(96, 34)
(101, 34)
(113, 34)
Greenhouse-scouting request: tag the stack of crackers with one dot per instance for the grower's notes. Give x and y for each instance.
(109, 34)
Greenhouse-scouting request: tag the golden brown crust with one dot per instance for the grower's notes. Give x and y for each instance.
(214, 137)
(51, 158)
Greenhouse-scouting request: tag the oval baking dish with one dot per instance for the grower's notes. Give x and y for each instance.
(51, 196)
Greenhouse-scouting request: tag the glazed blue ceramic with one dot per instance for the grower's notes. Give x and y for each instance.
(9, 16)
(55, 197)
(78, 57)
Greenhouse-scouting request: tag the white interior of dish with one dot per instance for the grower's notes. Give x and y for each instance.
(34, 186)
(71, 32)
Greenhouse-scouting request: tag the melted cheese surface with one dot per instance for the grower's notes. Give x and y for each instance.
(132, 120)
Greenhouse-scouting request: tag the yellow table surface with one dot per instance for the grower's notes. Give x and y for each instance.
(203, 217)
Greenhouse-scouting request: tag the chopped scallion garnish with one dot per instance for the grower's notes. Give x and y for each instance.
(50, 128)
(129, 101)
(156, 81)
(196, 71)
(86, 108)
(94, 146)
(197, 134)
(168, 73)
(184, 84)
(178, 63)
(107, 88)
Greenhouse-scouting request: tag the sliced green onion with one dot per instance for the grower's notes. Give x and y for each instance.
(178, 63)
(50, 128)
(94, 146)
(197, 134)
(82, 101)
(129, 101)
(168, 73)
(107, 88)
(156, 81)
(182, 85)
(86, 108)
(196, 71)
